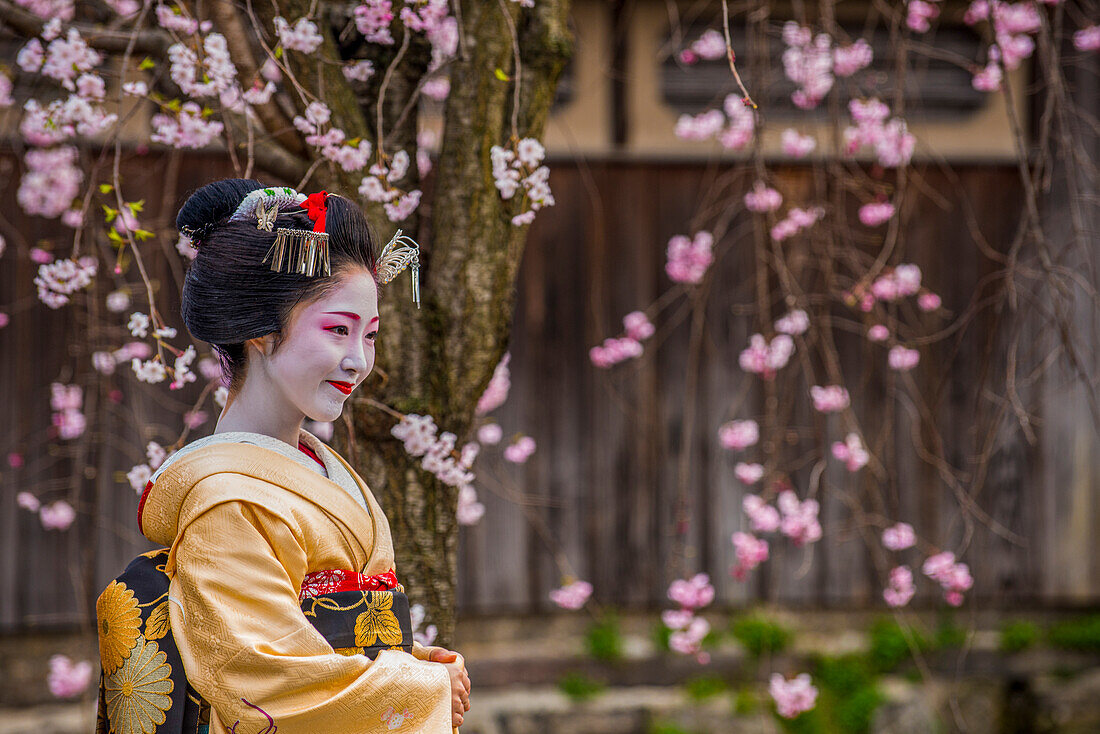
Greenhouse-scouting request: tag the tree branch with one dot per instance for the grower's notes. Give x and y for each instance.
(151, 41)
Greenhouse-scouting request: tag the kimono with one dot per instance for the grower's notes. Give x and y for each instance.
(255, 540)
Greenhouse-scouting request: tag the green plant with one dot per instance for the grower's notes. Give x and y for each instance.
(948, 634)
(890, 644)
(844, 674)
(745, 701)
(666, 727)
(604, 640)
(579, 687)
(1018, 635)
(661, 635)
(1081, 634)
(855, 712)
(848, 696)
(703, 687)
(759, 635)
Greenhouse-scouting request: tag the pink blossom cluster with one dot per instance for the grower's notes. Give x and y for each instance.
(712, 123)
(6, 100)
(748, 473)
(50, 183)
(808, 62)
(688, 259)
(688, 630)
(902, 358)
(763, 517)
(519, 169)
(800, 522)
(171, 18)
(795, 144)
(490, 434)
(520, 450)
(181, 369)
(59, 9)
(794, 322)
(57, 515)
(876, 213)
(151, 371)
(738, 435)
(614, 350)
(188, 129)
(379, 186)
(750, 552)
(58, 280)
(796, 220)
(303, 36)
(929, 301)
(953, 577)
(215, 75)
(989, 77)
(496, 392)
(1012, 24)
(792, 697)
(847, 60)
(1087, 39)
(709, 46)
(762, 198)
(62, 119)
(900, 589)
(64, 59)
(67, 678)
(765, 358)
(424, 15)
(829, 398)
(66, 402)
(428, 635)
(469, 510)
(899, 537)
(573, 595)
(902, 281)
(418, 433)
(359, 71)
(373, 19)
(919, 14)
(138, 476)
(852, 452)
(891, 140)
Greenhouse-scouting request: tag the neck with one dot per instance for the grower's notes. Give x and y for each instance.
(255, 413)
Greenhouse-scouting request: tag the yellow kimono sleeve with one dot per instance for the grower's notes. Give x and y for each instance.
(251, 653)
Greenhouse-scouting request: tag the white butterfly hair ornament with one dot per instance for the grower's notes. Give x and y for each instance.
(399, 253)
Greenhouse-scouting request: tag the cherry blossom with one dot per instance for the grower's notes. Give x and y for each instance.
(808, 62)
(876, 213)
(765, 358)
(989, 78)
(710, 46)
(638, 326)
(830, 398)
(919, 14)
(1087, 39)
(26, 500)
(900, 589)
(953, 577)
(703, 126)
(902, 358)
(899, 537)
(891, 140)
(792, 697)
(847, 60)
(750, 552)
(929, 301)
(196, 418)
(572, 596)
(851, 452)
(152, 371)
(118, 301)
(58, 280)
(468, 511)
(138, 324)
(614, 351)
(359, 71)
(742, 124)
(796, 220)
(496, 392)
(748, 473)
(762, 198)
(51, 181)
(688, 259)
(490, 434)
(56, 9)
(40, 256)
(764, 517)
(518, 169)
(799, 522)
(57, 515)
(416, 615)
(689, 641)
(520, 450)
(302, 36)
(68, 679)
(693, 593)
(171, 18)
(188, 129)
(68, 57)
(738, 435)
(796, 145)
(216, 74)
(373, 18)
(794, 322)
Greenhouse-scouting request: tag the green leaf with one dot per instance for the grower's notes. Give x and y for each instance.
(146, 63)
(114, 236)
(106, 188)
(278, 52)
(142, 234)
(174, 105)
(499, 73)
(111, 213)
(135, 207)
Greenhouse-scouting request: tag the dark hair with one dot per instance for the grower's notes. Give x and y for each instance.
(230, 295)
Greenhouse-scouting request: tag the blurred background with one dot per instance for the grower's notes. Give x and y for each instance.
(987, 448)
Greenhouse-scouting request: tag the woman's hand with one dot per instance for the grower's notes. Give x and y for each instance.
(460, 681)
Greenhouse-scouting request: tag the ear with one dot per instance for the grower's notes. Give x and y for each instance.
(263, 344)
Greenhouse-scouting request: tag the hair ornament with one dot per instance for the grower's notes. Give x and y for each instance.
(195, 235)
(399, 253)
(279, 196)
(302, 251)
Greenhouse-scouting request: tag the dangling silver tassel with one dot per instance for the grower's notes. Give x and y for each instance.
(299, 251)
(399, 253)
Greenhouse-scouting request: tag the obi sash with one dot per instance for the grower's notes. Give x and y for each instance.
(356, 614)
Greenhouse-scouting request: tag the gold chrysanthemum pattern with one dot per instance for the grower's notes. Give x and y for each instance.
(119, 624)
(138, 694)
(378, 623)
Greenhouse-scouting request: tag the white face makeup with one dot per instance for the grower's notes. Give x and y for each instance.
(327, 351)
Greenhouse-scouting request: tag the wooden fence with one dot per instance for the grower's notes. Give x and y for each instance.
(602, 489)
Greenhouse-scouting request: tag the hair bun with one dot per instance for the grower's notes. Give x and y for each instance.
(212, 204)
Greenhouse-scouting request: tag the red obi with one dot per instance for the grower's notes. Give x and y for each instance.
(331, 581)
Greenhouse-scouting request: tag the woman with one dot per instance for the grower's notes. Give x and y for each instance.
(276, 591)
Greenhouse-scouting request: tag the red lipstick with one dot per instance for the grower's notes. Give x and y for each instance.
(344, 387)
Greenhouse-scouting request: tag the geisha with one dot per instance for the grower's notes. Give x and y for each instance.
(274, 603)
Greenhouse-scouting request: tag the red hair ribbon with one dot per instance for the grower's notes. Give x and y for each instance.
(316, 206)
